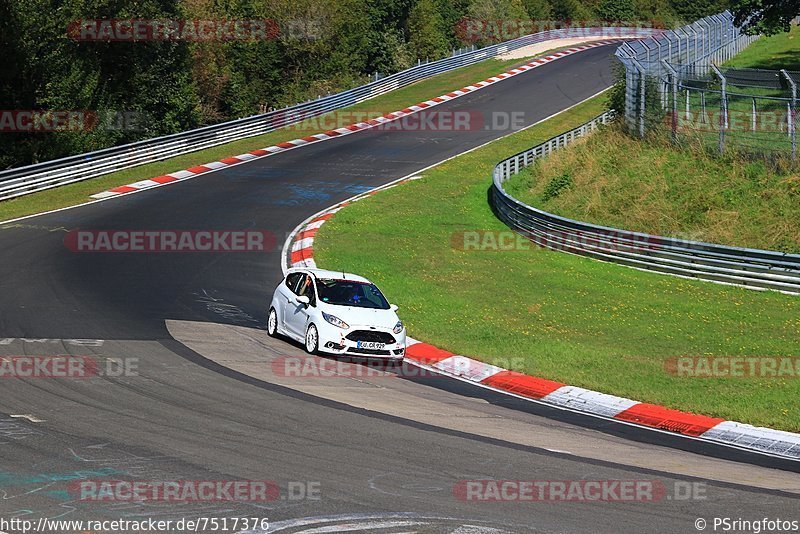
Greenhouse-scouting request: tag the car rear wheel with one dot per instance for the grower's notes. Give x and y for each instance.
(312, 339)
(272, 323)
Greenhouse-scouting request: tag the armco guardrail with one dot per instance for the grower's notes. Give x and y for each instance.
(33, 178)
(752, 268)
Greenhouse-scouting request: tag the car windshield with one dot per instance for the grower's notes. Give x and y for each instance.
(351, 293)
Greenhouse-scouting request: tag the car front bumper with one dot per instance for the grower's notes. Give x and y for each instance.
(334, 340)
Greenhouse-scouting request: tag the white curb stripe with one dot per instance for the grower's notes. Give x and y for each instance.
(467, 368)
(313, 225)
(764, 439)
(589, 401)
(215, 165)
(143, 184)
(303, 243)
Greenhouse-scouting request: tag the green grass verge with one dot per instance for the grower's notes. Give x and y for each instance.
(781, 51)
(583, 322)
(72, 194)
(663, 189)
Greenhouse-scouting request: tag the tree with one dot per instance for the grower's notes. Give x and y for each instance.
(496, 21)
(692, 10)
(538, 10)
(387, 48)
(427, 37)
(570, 10)
(617, 10)
(765, 16)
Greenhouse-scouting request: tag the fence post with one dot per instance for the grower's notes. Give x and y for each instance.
(673, 75)
(642, 94)
(703, 104)
(792, 113)
(688, 110)
(723, 119)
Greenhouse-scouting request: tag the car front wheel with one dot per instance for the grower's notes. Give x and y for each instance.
(272, 323)
(312, 339)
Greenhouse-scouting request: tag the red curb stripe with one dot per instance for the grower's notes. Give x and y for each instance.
(332, 133)
(427, 354)
(230, 161)
(285, 144)
(438, 99)
(423, 105)
(123, 189)
(258, 152)
(310, 139)
(408, 110)
(453, 94)
(165, 179)
(306, 234)
(666, 419)
(302, 254)
(527, 386)
(322, 218)
(198, 169)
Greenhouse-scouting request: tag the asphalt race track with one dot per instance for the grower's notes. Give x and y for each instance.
(381, 453)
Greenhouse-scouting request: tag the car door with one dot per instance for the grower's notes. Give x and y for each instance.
(297, 313)
(286, 295)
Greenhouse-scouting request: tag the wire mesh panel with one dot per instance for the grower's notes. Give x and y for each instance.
(744, 110)
(686, 56)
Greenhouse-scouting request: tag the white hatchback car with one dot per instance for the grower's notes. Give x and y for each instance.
(337, 313)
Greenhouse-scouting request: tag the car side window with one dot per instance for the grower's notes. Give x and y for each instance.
(293, 280)
(307, 288)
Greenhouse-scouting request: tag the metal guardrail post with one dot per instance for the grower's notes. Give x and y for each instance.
(642, 90)
(792, 115)
(723, 119)
(673, 75)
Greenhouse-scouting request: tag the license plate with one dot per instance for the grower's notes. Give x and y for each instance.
(370, 345)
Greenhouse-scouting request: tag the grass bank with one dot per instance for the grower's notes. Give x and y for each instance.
(658, 188)
(583, 322)
(780, 51)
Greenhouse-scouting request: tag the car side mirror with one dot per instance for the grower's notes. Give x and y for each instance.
(393, 307)
(302, 299)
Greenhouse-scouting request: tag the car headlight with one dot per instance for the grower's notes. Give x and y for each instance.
(335, 321)
(398, 327)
